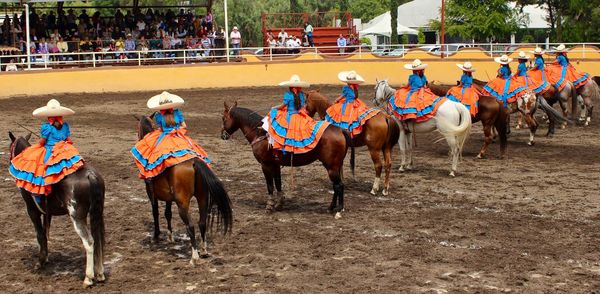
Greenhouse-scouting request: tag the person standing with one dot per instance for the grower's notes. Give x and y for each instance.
(236, 40)
(341, 43)
(308, 31)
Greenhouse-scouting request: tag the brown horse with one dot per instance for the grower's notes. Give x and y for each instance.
(380, 134)
(79, 194)
(491, 113)
(181, 182)
(331, 151)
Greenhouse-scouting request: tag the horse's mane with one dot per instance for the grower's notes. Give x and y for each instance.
(246, 116)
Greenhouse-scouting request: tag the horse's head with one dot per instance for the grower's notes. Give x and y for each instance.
(316, 103)
(144, 125)
(229, 123)
(381, 89)
(17, 145)
(527, 102)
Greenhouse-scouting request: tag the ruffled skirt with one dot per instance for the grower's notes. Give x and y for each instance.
(300, 135)
(158, 151)
(537, 81)
(35, 175)
(351, 116)
(419, 105)
(558, 75)
(506, 90)
(469, 97)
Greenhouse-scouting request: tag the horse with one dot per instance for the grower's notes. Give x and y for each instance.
(526, 105)
(330, 150)
(380, 134)
(452, 120)
(80, 194)
(589, 92)
(181, 182)
(491, 113)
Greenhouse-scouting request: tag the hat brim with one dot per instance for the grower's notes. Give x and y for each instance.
(343, 76)
(52, 111)
(409, 66)
(465, 69)
(175, 101)
(498, 60)
(526, 57)
(537, 53)
(299, 84)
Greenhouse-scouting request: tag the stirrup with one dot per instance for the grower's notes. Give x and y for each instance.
(38, 204)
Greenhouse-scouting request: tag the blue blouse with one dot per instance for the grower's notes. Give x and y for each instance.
(52, 135)
(522, 69)
(562, 60)
(504, 72)
(466, 80)
(160, 120)
(417, 82)
(539, 63)
(288, 101)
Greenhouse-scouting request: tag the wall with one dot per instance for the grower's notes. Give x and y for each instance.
(314, 68)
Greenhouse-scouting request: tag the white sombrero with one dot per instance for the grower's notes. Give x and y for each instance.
(538, 51)
(295, 81)
(350, 77)
(51, 109)
(504, 59)
(522, 55)
(164, 100)
(560, 48)
(467, 66)
(415, 65)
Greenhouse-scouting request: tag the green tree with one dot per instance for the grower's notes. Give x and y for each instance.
(366, 10)
(394, 13)
(481, 20)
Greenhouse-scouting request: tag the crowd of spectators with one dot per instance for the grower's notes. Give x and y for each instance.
(133, 31)
(285, 43)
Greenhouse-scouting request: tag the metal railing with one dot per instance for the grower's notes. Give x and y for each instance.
(200, 55)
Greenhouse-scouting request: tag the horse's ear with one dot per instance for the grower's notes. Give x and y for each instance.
(136, 117)
(226, 105)
(11, 136)
(28, 136)
(235, 103)
(318, 89)
(376, 81)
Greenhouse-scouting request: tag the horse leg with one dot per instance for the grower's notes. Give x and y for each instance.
(410, 148)
(36, 218)
(587, 101)
(154, 203)
(376, 157)
(268, 172)
(387, 157)
(183, 205)
(338, 192)
(402, 143)
(519, 121)
(203, 211)
(533, 125)
(277, 179)
(454, 153)
(168, 216)
(563, 107)
(487, 131)
(82, 229)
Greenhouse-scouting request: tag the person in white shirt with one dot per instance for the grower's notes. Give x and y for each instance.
(282, 36)
(11, 66)
(236, 41)
(308, 31)
(341, 43)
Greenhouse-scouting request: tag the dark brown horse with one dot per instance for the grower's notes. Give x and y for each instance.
(380, 134)
(181, 182)
(79, 194)
(491, 113)
(331, 151)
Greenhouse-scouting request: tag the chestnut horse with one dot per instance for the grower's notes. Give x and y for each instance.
(380, 134)
(331, 151)
(181, 182)
(491, 113)
(79, 194)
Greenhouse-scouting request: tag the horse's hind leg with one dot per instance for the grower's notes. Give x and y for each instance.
(203, 211)
(533, 125)
(487, 131)
(587, 101)
(387, 157)
(183, 207)
(376, 157)
(154, 203)
(277, 179)
(168, 217)
(268, 172)
(403, 144)
(337, 202)
(82, 229)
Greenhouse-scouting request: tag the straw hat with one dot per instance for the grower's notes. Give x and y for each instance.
(295, 81)
(538, 51)
(560, 48)
(350, 77)
(522, 55)
(53, 108)
(415, 65)
(235, 28)
(503, 59)
(467, 66)
(164, 100)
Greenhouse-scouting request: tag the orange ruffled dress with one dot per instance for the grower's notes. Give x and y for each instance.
(349, 113)
(466, 94)
(293, 130)
(165, 147)
(561, 71)
(48, 162)
(506, 88)
(537, 76)
(415, 101)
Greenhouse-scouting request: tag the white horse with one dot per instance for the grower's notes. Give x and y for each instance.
(452, 120)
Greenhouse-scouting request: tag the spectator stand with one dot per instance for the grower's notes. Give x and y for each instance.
(327, 27)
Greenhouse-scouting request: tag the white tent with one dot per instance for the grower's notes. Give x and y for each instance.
(381, 25)
(418, 13)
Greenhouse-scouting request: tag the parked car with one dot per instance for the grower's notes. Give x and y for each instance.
(381, 52)
(398, 52)
(434, 49)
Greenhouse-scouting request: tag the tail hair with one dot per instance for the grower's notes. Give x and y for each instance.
(217, 195)
(97, 213)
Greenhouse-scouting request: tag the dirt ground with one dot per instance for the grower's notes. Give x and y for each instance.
(527, 223)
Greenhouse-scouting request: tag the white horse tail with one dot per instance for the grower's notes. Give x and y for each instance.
(446, 127)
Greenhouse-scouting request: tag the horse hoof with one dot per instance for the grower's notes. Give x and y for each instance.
(401, 169)
(338, 215)
(452, 174)
(373, 192)
(531, 143)
(385, 192)
(87, 282)
(479, 156)
(517, 127)
(170, 237)
(100, 278)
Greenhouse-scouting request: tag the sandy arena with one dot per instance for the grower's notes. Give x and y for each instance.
(528, 223)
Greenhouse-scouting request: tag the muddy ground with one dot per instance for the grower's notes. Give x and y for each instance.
(527, 223)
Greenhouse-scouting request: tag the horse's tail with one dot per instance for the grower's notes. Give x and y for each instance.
(352, 153)
(460, 132)
(393, 131)
(574, 100)
(216, 195)
(97, 213)
(552, 113)
(501, 124)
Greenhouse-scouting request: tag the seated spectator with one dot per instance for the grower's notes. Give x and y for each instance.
(62, 46)
(209, 21)
(141, 25)
(120, 48)
(86, 45)
(206, 45)
(143, 46)
(11, 66)
(98, 45)
(43, 49)
(130, 46)
(52, 46)
(282, 36)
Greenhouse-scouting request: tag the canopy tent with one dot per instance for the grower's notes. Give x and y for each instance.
(537, 16)
(381, 25)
